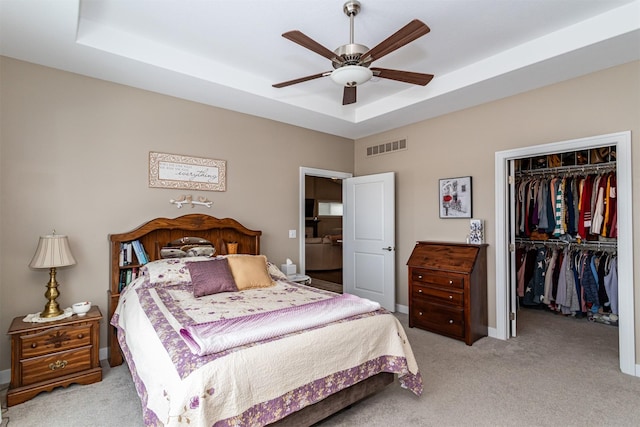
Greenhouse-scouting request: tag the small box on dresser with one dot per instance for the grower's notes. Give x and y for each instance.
(448, 289)
(52, 354)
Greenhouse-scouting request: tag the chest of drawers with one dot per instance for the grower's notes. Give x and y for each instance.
(448, 289)
(51, 354)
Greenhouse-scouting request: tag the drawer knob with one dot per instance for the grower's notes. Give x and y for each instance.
(451, 282)
(34, 345)
(80, 336)
(58, 364)
(450, 296)
(419, 313)
(450, 321)
(419, 291)
(419, 276)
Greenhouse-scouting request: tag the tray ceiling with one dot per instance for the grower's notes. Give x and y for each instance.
(229, 53)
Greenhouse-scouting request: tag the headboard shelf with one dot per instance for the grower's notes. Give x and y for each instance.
(155, 234)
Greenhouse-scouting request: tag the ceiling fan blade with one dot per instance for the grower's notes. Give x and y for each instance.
(349, 95)
(301, 79)
(305, 41)
(403, 36)
(403, 76)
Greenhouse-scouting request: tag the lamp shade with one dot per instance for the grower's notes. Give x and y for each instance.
(351, 75)
(53, 251)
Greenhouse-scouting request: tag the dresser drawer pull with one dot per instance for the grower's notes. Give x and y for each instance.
(451, 282)
(450, 296)
(34, 345)
(80, 336)
(419, 276)
(419, 313)
(450, 321)
(59, 364)
(419, 291)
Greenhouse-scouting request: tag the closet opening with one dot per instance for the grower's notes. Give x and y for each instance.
(546, 260)
(566, 248)
(566, 233)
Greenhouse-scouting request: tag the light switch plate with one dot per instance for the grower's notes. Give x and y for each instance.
(292, 234)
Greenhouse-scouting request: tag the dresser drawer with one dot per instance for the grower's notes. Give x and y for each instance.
(55, 365)
(55, 340)
(446, 296)
(444, 280)
(438, 318)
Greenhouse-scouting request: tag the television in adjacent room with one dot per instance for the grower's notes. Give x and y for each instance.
(309, 205)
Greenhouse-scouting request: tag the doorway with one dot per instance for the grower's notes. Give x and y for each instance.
(505, 316)
(321, 226)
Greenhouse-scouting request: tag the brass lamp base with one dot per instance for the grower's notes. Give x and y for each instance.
(51, 308)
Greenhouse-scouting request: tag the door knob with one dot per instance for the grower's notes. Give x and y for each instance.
(388, 248)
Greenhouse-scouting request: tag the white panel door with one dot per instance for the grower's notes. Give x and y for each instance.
(369, 238)
(512, 249)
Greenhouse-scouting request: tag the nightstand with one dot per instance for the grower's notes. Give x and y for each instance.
(53, 354)
(299, 278)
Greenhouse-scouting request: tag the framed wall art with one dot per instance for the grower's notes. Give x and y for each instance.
(455, 197)
(183, 172)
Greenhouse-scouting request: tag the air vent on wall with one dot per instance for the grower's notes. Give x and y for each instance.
(387, 147)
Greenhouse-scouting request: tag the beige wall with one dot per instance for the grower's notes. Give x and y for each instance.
(464, 143)
(74, 157)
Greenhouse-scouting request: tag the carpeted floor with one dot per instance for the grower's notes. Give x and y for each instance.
(327, 286)
(334, 276)
(558, 372)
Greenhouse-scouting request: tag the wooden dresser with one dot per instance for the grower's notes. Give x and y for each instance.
(52, 354)
(448, 289)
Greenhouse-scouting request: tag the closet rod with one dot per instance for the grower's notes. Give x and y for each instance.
(600, 167)
(597, 245)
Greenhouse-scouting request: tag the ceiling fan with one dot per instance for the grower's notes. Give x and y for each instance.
(351, 61)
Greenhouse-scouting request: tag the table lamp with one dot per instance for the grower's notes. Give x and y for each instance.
(53, 251)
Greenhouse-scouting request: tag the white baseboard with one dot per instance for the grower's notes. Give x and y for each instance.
(5, 376)
(493, 333)
(402, 309)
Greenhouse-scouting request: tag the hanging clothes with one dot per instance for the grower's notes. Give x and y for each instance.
(611, 284)
(571, 207)
(561, 213)
(572, 281)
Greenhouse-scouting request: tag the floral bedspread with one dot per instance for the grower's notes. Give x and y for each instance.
(257, 383)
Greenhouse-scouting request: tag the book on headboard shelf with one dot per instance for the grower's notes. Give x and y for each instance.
(127, 276)
(141, 254)
(127, 249)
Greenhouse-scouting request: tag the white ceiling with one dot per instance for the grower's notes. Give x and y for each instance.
(228, 53)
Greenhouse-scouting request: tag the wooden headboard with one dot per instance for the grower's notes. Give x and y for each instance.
(159, 232)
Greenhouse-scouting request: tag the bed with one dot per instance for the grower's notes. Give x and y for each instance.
(268, 351)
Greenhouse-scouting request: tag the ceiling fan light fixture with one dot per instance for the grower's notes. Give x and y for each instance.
(351, 75)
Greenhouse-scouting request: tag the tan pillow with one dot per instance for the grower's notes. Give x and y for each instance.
(250, 271)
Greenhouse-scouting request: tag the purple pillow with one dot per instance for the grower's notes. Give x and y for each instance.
(211, 277)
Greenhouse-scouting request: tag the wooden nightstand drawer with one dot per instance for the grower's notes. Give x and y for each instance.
(435, 279)
(53, 354)
(55, 365)
(55, 339)
(445, 320)
(445, 296)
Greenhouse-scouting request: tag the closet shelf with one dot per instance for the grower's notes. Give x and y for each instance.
(575, 170)
(589, 245)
